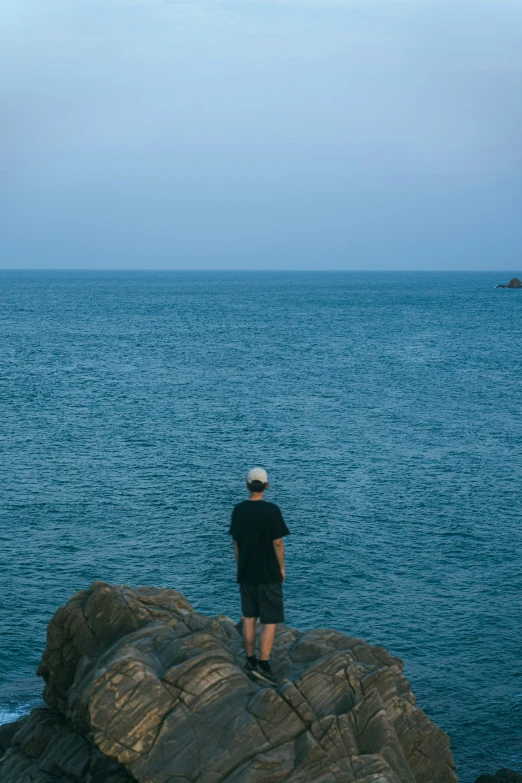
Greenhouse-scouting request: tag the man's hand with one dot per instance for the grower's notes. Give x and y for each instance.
(279, 549)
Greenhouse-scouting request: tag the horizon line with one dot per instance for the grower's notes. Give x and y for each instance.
(232, 269)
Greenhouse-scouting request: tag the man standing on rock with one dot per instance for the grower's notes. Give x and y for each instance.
(258, 528)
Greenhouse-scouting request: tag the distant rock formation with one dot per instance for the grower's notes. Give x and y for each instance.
(502, 776)
(513, 283)
(141, 688)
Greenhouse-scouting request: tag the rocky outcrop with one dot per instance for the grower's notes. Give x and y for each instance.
(46, 749)
(7, 732)
(513, 283)
(140, 687)
(502, 776)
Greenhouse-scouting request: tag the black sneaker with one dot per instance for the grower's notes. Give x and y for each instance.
(266, 674)
(250, 668)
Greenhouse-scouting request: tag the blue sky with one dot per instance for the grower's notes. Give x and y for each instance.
(279, 134)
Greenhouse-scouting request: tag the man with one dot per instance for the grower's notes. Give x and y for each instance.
(257, 529)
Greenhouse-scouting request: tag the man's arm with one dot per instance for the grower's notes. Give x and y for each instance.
(236, 551)
(279, 549)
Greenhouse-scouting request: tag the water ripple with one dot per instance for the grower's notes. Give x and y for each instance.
(386, 409)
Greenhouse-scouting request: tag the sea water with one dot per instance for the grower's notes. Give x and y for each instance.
(386, 408)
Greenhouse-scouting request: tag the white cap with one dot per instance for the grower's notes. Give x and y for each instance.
(257, 474)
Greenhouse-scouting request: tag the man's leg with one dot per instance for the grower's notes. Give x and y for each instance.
(250, 610)
(249, 635)
(271, 613)
(267, 640)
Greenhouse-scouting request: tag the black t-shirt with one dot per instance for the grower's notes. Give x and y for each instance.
(255, 524)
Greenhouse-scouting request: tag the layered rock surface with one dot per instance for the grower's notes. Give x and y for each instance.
(140, 687)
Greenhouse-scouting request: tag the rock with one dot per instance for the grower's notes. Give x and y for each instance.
(513, 283)
(47, 750)
(142, 688)
(502, 776)
(7, 732)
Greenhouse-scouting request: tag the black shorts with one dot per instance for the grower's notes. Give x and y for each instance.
(263, 601)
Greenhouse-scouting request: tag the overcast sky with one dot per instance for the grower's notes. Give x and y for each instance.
(270, 134)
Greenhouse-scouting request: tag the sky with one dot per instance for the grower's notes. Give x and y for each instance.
(261, 134)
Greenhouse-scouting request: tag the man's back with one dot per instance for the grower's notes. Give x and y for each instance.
(255, 525)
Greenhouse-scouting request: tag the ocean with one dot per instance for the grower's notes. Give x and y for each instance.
(386, 408)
